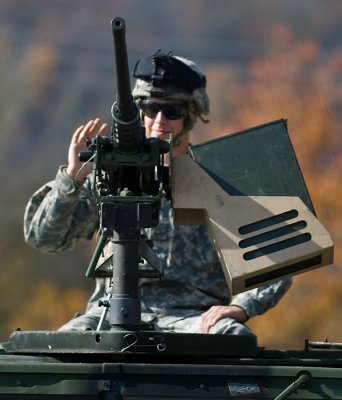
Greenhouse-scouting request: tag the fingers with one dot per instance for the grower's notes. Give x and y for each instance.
(209, 319)
(75, 136)
(207, 325)
(103, 129)
(79, 144)
(89, 130)
(216, 313)
(93, 128)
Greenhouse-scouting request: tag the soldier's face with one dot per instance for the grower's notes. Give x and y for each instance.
(164, 119)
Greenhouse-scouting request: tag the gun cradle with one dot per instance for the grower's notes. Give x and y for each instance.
(259, 239)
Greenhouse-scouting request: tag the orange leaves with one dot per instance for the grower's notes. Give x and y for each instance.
(294, 81)
(310, 310)
(47, 307)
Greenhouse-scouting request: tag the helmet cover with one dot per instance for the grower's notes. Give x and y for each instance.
(171, 77)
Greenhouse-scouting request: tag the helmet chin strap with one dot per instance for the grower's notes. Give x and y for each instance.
(177, 139)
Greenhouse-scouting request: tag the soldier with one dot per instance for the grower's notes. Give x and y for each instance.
(193, 295)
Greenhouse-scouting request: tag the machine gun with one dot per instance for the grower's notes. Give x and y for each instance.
(128, 179)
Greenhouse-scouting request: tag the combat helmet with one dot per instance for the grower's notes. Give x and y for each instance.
(172, 77)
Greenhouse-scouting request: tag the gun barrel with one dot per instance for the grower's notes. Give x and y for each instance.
(125, 112)
(124, 96)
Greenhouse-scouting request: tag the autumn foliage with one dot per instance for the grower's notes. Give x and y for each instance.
(290, 83)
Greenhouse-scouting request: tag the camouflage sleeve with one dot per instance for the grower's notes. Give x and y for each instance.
(257, 301)
(60, 213)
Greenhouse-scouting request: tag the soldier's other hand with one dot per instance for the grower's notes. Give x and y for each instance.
(78, 144)
(215, 313)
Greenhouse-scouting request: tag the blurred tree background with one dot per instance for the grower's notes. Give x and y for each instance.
(264, 60)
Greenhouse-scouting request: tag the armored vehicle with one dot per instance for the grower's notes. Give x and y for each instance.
(264, 227)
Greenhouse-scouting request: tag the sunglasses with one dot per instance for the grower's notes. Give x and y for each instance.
(170, 111)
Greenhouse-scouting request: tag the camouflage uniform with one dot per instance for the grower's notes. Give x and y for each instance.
(64, 211)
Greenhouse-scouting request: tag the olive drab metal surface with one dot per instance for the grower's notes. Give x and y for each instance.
(312, 373)
(259, 161)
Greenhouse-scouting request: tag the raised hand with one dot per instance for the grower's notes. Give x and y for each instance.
(78, 144)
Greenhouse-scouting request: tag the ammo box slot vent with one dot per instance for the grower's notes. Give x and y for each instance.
(273, 248)
(267, 222)
(281, 272)
(272, 236)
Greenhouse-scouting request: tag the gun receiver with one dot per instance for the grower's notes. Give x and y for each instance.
(127, 164)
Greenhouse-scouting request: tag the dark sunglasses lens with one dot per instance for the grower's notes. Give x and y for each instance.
(173, 111)
(170, 111)
(150, 109)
